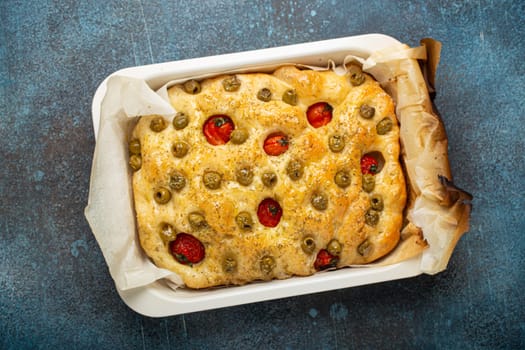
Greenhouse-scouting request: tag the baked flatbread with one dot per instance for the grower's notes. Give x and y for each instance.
(267, 176)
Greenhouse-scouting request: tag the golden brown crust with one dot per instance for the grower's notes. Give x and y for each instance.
(344, 217)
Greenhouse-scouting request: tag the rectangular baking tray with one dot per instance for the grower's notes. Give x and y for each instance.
(158, 299)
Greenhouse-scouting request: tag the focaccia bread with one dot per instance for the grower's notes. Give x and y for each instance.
(262, 176)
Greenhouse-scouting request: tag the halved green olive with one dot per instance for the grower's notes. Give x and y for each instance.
(264, 95)
(365, 248)
(197, 220)
(180, 149)
(384, 126)
(162, 195)
(295, 169)
(356, 75)
(376, 202)
(244, 176)
(334, 247)
(134, 146)
(180, 121)
(238, 136)
(229, 264)
(158, 124)
(167, 232)
(177, 181)
(319, 201)
(290, 97)
(244, 221)
(192, 87)
(368, 182)
(308, 245)
(269, 179)
(267, 264)
(231, 84)
(135, 162)
(212, 180)
(367, 111)
(371, 217)
(342, 178)
(336, 143)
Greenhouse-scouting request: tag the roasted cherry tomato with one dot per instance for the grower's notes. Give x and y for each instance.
(325, 260)
(269, 212)
(187, 249)
(276, 143)
(369, 165)
(319, 114)
(218, 129)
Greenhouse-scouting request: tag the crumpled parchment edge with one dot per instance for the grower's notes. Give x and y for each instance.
(435, 205)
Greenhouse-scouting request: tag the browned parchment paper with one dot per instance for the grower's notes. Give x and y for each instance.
(437, 213)
(435, 206)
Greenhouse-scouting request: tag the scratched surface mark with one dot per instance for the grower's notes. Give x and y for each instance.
(55, 290)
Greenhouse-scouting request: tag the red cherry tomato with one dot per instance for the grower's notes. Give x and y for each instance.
(325, 260)
(187, 249)
(269, 212)
(319, 114)
(218, 129)
(369, 165)
(276, 143)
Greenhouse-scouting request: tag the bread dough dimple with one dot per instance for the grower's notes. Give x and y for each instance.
(343, 218)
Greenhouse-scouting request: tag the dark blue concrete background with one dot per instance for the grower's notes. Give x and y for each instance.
(55, 290)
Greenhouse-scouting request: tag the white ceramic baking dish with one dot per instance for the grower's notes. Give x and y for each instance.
(157, 299)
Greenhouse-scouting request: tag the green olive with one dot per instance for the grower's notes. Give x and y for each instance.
(308, 245)
(192, 87)
(371, 217)
(356, 75)
(376, 202)
(167, 232)
(336, 143)
(158, 124)
(197, 220)
(212, 180)
(229, 264)
(267, 264)
(365, 248)
(368, 182)
(384, 126)
(180, 121)
(135, 162)
(231, 84)
(269, 179)
(177, 181)
(319, 201)
(367, 111)
(295, 169)
(238, 136)
(342, 178)
(180, 149)
(244, 176)
(290, 97)
(264, 95)
(334, 247)
(162, 195)
(134, 146)
(244, 221)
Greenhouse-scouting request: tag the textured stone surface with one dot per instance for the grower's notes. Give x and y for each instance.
(55, 291)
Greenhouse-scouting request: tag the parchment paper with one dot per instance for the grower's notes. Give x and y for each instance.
(435, 205)
(436, 208)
